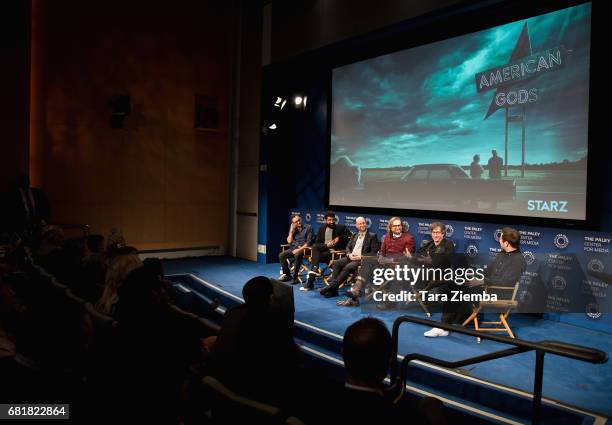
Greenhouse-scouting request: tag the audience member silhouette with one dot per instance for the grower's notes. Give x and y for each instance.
(255, 354)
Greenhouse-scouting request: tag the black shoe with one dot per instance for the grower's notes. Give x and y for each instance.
(348, 302)
(284, 277)
(325, 289)
(332, 292)
(296, 280)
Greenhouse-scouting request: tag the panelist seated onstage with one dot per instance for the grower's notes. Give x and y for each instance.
(504, 270)
(361, 244)
(398, 244)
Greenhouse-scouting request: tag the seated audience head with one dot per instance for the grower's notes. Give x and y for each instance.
(52, 236)
(155, 265)
(116, 274)
(395, 226)
(438, 231)
(115, 240)
(510, 239)
(95, 244)
(258, 293)
(116, 251)
(140, 295)
(330, 218)
(476, 158)
(366, 350)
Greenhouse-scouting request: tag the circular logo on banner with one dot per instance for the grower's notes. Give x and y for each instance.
(497, 234)
(595, 265)
(593, 311)
(471, 251)
(529, 257)
(406, 225)
(308, 217)
(561, 241)
(336, 218)
(559, 283)
(449, 230)
(368, 222)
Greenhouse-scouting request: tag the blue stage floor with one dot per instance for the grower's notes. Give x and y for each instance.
(575, 383)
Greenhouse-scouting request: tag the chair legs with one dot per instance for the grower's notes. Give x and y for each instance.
(303, 270)
(502, 317)
(503, 320)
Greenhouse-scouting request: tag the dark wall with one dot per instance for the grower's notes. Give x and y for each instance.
(299, 26)
(15, 81)
(159, 179)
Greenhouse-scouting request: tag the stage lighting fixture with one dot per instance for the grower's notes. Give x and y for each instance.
(280, 102)
(272, 127)
(298, 100)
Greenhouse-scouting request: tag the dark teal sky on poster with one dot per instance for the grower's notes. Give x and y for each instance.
(421, 106)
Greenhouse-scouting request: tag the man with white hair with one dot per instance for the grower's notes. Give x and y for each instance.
(361, 244)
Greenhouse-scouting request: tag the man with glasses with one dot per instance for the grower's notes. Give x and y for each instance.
(300, 237)
(397, 247)
(438, 249)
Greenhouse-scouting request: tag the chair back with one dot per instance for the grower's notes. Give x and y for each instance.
(231, 408)
(506, 296)
(208, 327)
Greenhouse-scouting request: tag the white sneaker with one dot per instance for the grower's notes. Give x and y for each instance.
(435, 332)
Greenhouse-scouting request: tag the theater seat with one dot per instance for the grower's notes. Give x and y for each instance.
(505, 303)
(227, 407)
(207, 326)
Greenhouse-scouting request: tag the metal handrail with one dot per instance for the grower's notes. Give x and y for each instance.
(572, 351)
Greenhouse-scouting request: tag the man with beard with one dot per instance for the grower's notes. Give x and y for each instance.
(330, 236)
(397, 247)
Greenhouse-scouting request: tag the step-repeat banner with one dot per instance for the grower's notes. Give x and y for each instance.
(568, 271)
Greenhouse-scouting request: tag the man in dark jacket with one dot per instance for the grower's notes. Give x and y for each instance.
(366, 351)
(255, 354)
(330, 236)
(361, 244)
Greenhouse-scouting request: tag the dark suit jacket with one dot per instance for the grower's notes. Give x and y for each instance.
(340, 230)
(363, 407)
(440, 255)
(255, 354)
(371, 245)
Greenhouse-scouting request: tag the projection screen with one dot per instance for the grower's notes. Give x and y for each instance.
(492, 122)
